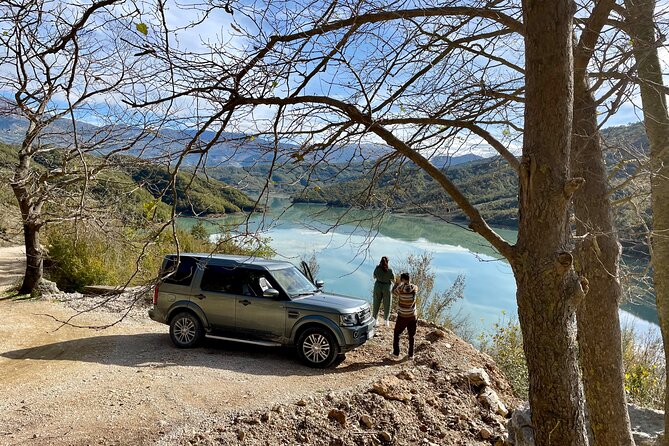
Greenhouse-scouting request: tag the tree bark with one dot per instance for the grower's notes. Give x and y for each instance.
(34, 259)
(597, 258)
(548, 288)
(642, 32)
(30, 207)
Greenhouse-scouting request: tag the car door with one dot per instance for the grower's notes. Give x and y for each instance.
(217, 296)
(259, 317)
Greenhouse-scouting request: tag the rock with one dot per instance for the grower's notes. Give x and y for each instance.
(390, 388)
(385, 436)
(521, 432)
(46, 287)
(241, 435)
(266, 417)
(647, 424)
(302, 403)
(407, 375)
(490, 400)
(338, 415)
(435, 335)
(485, 433)
(477, 377)
(366, 421)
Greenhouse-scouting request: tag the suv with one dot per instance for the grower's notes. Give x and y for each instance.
(257, 301)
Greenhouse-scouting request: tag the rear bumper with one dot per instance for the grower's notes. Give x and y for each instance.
(357, 335)
(157, 316)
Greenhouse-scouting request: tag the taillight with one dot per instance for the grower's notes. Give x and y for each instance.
(155, 295)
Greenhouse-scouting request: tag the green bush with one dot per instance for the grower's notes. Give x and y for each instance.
(644, 364)
(505, 346)
(431, 306)
(120, 256)
(80, 259)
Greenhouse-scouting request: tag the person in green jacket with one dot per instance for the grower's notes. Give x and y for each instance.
(384, 279)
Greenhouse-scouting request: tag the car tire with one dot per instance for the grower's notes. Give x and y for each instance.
(317, 347)
(185, 330)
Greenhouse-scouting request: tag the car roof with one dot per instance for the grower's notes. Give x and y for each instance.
(235, 260)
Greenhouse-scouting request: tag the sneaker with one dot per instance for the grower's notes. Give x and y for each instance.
(392, 356)
(387, 323)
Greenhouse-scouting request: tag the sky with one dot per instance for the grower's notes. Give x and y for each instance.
(218, 27)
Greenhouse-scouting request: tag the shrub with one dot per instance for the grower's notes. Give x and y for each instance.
(644, 366)
(505, 346)
(435, 307)
(643, 361)
(122, 256)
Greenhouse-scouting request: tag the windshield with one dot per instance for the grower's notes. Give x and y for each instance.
(294, 282)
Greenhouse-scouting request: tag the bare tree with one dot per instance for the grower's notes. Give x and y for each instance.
(380, 86)
(597, 252)
(61, 64)
(640, 21)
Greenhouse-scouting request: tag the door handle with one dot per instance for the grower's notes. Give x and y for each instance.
(244, 302)
(201, 296)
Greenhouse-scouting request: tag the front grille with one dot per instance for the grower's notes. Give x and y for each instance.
(364, 315)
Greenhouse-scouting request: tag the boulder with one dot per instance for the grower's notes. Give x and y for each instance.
(46, 287)
(647, 425)
(491, 401)
(477, 377)
(520, 428)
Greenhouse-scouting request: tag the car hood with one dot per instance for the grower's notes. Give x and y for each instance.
(335, 302)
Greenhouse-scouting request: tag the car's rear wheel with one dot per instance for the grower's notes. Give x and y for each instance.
(317, 347)
(185, 330)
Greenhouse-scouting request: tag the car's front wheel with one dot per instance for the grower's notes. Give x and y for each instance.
(185, 330)
(317, 347)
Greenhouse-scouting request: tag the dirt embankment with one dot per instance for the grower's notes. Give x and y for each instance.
(128, 385)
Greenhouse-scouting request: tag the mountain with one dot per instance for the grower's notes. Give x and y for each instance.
(138, 186)
(230, 149)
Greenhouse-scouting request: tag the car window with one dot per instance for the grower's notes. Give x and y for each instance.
(182, 274)
(293, 281)
(221, 279)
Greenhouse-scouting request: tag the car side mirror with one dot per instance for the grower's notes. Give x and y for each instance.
(319, 284)
(271, 293)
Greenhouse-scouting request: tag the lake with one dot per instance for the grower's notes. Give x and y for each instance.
(349, 243)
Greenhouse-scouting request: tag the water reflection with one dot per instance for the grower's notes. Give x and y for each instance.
(348, 244)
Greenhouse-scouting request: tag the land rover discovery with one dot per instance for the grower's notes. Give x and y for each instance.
(257, 301)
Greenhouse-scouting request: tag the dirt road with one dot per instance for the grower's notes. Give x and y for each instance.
(12, 266)
(128, 385)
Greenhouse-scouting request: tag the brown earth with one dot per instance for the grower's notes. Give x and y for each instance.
(128, 385)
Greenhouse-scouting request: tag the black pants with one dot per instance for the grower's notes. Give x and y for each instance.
(401, 324)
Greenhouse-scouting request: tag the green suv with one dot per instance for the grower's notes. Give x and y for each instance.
(257, 301)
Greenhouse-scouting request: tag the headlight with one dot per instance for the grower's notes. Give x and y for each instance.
(348, 320)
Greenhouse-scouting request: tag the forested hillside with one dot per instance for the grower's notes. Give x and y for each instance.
(138, 185)
(490, 184)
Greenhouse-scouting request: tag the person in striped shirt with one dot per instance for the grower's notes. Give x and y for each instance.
(405, 292)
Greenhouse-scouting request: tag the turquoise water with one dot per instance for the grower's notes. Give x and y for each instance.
(349, 243)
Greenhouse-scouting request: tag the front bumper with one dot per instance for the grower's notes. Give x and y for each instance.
(358, 334)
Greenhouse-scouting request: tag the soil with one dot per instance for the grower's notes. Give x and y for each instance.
(127, 384)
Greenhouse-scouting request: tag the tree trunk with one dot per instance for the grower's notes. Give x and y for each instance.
(30, 207)
(34, 259)
(548, 288)
(597, 258)
(642, 33)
